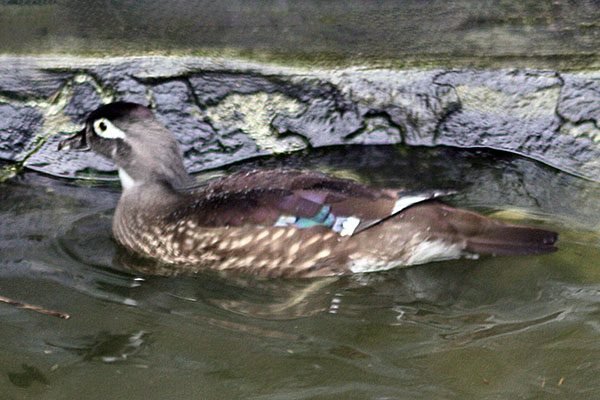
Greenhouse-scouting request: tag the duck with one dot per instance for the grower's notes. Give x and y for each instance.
(278, 222)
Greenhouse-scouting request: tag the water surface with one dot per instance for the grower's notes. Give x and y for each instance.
(494, 328)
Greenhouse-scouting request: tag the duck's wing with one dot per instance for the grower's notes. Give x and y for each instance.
(299, 199)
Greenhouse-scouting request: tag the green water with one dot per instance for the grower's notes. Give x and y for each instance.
(493, 328)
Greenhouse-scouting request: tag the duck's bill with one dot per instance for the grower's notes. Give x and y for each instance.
(76, 142)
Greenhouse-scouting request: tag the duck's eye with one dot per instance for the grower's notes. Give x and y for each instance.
(104, 128)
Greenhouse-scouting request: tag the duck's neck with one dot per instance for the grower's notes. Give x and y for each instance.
(171, 172)
(155, 196)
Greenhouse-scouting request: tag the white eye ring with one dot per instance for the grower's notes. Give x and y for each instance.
(104, 128)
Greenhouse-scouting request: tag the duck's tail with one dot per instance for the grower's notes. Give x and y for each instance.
(480, 234)
(512, 239)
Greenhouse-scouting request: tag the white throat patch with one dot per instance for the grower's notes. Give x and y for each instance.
(126, 180)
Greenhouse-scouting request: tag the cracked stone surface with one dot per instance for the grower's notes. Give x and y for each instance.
(252, 114)
(226, 110)
(18, 126)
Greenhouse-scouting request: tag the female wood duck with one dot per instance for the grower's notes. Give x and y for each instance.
(278, 222)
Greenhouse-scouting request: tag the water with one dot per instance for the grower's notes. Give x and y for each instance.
(494, 328)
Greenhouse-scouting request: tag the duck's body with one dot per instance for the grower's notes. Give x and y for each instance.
(279, 223)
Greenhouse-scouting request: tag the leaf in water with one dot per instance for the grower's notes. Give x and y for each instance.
(27, 377)
(111, 348)
(348, 352)
(108, 347)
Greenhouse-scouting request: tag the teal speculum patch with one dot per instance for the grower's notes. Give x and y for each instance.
(345, 226)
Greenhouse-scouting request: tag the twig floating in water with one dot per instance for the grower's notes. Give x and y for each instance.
(33, 308)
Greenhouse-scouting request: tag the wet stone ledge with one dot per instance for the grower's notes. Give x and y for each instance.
(225, 110)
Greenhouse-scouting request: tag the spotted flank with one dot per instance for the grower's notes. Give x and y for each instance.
(345, 226)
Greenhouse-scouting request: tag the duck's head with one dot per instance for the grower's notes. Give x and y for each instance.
(128, 134)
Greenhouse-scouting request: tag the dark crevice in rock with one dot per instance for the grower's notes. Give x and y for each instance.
(450, 111)
(211, 88)
(371, 114)
(288, 134)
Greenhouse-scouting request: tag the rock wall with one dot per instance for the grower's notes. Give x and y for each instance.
(225, 110)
